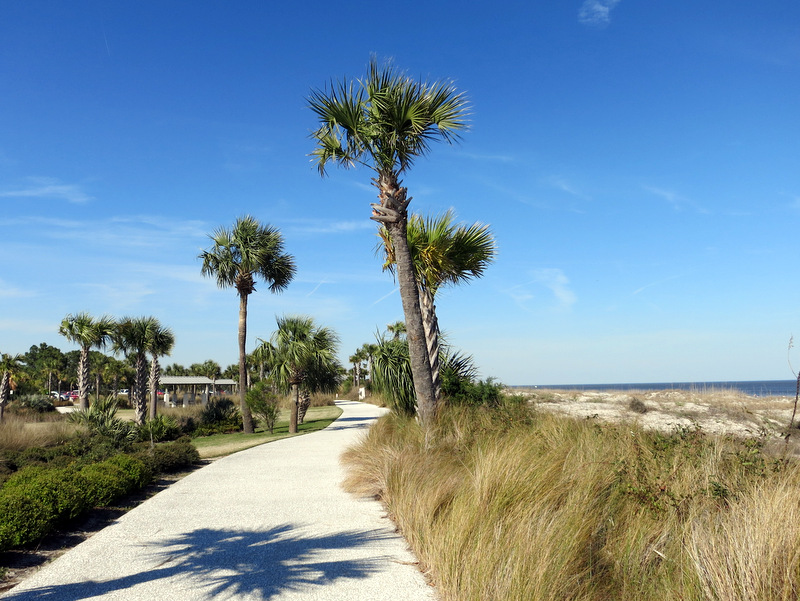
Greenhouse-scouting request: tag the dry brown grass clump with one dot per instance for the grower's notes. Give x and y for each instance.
(18, 434)
(518, 506)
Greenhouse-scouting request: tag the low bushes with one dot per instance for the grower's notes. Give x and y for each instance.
(220, 416)
(49, 488)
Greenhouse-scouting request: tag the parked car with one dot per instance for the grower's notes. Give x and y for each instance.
(72, 395)
(58, 395)
(122, 391)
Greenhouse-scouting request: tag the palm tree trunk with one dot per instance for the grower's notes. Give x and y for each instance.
(431, 325)
(295, 409)
(140, 388)
(83, 379)
(392, 212)
(247, 418)
(3, 393)
(303, 405)
(155, 373)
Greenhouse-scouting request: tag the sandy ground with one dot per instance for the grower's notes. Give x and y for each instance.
(715, 412)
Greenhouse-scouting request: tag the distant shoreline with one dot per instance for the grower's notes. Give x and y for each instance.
(759, 388)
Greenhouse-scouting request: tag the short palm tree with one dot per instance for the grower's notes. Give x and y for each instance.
(239, 255)
(159, 344)
(87, 333)
(9, 365)
(357, 359)
(132, 337)
(443, 253)
(385, 121)
(304, 356)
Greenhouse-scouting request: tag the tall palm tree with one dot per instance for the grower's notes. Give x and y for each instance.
(385, 121)
(305, 355)
(443, 253)
(132, 337)
(239, 255)
(159, 344)
(9, 365)
(87, 333)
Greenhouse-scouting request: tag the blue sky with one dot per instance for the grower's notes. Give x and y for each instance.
(638, 163)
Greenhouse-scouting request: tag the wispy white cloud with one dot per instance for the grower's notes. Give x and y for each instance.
(553, 279)
(47, 187)
(561, 183)
(558, 283)
(596, 13)
(656, 283)
(335, 227)
(9, 291)
(483, 158)
(677, 201)
(385, 296)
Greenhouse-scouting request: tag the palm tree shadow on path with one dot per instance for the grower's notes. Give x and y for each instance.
(220, 564)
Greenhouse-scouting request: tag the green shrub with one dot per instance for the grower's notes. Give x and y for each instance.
(35, 403)
(170, 457)
(137, 470)
(160, 428)
(459, 391)
(264, 405)
(26, 518)
(35, 499)
(105, 482)
(101, 419)
(219, 416)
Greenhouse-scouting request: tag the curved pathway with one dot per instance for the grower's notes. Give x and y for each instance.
(271, 522)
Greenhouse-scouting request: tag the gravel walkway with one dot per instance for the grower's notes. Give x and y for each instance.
(271, 522)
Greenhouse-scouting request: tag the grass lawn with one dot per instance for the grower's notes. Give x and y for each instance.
(218, 445)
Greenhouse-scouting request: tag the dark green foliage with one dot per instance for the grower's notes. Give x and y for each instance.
(101, 419)
(186, 424)
(32, 404)
(35, 499)
(392, 377)
(105, 482)
(263, 404)
(219, 416)
(137, 471)
(159, 429)
(459, 391)
(170, 457)
(40, 488)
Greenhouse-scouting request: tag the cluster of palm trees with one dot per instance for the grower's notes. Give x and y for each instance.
(384, 122)
(136, 338)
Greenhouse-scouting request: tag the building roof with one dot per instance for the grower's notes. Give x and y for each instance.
(195, 380)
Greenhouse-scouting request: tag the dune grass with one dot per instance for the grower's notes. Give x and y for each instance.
(519, 505)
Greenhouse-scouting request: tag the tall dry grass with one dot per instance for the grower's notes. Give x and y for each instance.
(529, 507)
(18, 434)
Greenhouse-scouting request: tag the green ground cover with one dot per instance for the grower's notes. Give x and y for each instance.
(218, 445)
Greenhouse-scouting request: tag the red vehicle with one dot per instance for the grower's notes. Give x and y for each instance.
(71, 396)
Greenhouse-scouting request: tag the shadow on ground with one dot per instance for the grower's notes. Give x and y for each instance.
(230, 563)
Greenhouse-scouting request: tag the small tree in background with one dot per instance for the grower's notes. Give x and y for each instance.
(263, 404)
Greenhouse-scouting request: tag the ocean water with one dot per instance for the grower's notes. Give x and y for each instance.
(750, 387)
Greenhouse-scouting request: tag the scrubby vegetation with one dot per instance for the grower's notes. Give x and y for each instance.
(509, 503)
(89, 460)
